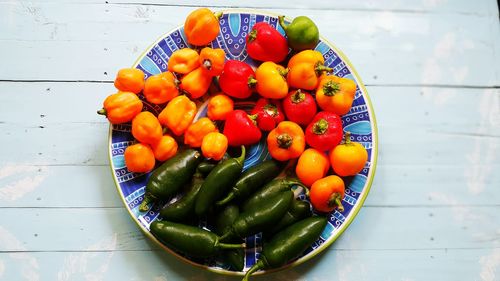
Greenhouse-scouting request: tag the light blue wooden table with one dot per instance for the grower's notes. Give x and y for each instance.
(432, 69)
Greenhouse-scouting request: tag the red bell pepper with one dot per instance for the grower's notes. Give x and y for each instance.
(265, 43)
(325, 131)
(237, 79)
(268, 113)
(300, 107)
(240, 129)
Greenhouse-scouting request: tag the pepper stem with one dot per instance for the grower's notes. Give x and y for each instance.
(271, 109)
(241, 159)
(258, 265)
(218, 15)
(347, 138)
(336, 200)
(283, 25)
(320, 127)
(283, 72)
(252, 35)
(320, 68)
(226, 235)
(102, 111)
(251, 81)
(226, 200)
(330, 88)
(284, 140)
(207, 64)
(144, 205)
(298, 96)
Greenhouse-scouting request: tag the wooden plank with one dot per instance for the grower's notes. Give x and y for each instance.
(421, 6)
(443, 264)
(28, 186)
(418, 228)
(379, 43)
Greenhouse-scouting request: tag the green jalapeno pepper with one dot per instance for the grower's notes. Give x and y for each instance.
(275, 186)
(190, 240)
(167, 179)
(260, 216)
(183, 208)
(206, 167)
(289, 243)
(302, 33)
(252, 179)
(223, 221)
(298, 210)
(220, 179)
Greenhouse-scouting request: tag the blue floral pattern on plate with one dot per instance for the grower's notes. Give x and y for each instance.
(235, 26)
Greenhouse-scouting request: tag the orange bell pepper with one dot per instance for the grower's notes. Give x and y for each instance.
(348, 158)
(286, 141)
(271, 81)
(305, 68)
(219, 106)
(306, 56)
(161, 88)
(166, 148)
(196, 82)
(196, 131)
(214, 145)
(213, 60)
(121, 107)
(178, 114)
(183, 61)
(130, 80)
(326, 194)
(146, 128)
(335, 94)
(202, 26)
(312, 166)
(139, 158)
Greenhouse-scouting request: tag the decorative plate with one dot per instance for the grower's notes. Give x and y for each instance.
(235, 25)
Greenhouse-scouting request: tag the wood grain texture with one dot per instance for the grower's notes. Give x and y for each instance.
(381, 44)
(433, 75)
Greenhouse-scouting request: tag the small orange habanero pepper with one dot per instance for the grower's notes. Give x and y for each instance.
(312, 166)
(212, 60)
(286, 141)
(202, 26)
(214, 145)
(305, 68)
(121, 107)
(196, 131)
(165, 149)
(130, 80)
(183, 61)
(161, 88)
(178, 114)
(219, 106)
(348, 158)
(326, 194)
(139, 158)
(335, 94)
(196, 82)
(146, 128)
(271, 81)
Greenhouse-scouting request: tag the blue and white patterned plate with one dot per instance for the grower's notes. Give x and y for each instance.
(235, 25)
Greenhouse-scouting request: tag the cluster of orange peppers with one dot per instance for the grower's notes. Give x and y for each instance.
(189, 77)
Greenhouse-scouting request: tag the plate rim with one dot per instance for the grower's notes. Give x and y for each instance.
(354, 211)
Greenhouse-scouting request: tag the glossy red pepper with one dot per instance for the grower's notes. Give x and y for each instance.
(325, 131)
(265, 43)
(300, 107)
(268, 113)
(240, 129)
(237, 79)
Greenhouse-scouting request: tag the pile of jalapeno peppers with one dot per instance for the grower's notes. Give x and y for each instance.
(297, 111)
